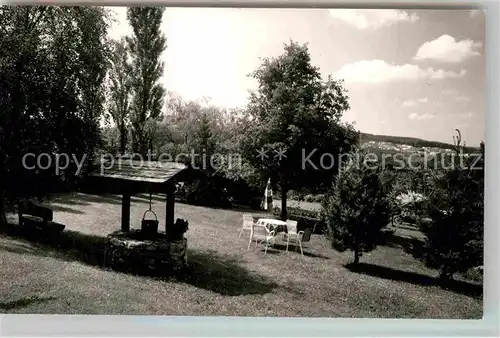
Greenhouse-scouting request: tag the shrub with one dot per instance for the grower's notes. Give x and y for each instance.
(242, 193)
(319, 198)
(305, 218)
(309, 198)
(206, 192)
(294, 195)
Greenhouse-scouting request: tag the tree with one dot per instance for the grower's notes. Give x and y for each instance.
(119, 90)
(94, 53)
(454, 239)
(296, 116)
(356, 210)
(52, 68)
(146, 46)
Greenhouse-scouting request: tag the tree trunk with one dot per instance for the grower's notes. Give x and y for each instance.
(356, 256)
(284, 191)
(150, 145)
(123, 139)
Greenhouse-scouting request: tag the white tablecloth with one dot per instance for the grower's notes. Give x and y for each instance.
(272, 224)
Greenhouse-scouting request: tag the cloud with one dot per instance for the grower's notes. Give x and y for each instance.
(413, 103)
(466, 115)
(447, 49)
(450, 92)
(372, 18)
(462, 98)
(421, 117)
(379, 71)
(456, 94)
(408, 104)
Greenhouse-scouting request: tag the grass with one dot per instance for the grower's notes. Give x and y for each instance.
(223, 278)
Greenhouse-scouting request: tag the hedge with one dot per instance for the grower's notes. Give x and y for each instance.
(305, 219)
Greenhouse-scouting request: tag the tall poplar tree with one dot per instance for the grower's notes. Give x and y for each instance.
(145, 46)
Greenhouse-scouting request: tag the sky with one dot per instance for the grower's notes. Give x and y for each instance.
(418, 73)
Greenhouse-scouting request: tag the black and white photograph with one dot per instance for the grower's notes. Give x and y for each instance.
(250, 162)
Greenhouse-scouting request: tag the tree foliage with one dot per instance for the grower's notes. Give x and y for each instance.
(52, 68)
(204, 134)
(454, 240)
(120, 84)
(294, 111)
(146, 45)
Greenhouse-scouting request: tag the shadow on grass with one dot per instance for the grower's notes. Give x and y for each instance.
(71, 202)
(223, 275)
(68, 246)
(292, 249)
(410, 244)
(210, 271)
(23, 302)
(461, 287)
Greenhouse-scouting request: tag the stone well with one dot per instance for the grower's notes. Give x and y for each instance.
(132, 251)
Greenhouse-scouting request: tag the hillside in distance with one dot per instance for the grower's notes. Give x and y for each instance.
(371, 140)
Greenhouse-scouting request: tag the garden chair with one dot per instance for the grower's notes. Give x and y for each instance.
(269, 238)
(301, 237)
(291, 227)
(291, 231)
(248, 224)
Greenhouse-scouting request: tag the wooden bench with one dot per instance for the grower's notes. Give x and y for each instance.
(38, 218)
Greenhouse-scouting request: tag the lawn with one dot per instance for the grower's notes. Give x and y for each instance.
(224, 278)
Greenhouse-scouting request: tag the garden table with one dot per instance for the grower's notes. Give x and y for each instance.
(272, 224)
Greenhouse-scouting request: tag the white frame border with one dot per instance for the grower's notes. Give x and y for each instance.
(151, 326)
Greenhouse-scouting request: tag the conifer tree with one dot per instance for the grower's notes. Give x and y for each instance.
(357, 210)
(454, 240)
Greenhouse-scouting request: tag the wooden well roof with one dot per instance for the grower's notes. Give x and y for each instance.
(139, 171)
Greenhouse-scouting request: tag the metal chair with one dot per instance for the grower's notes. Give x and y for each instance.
(302, 237)
(291, 232)
(269, 238)
(247, 224)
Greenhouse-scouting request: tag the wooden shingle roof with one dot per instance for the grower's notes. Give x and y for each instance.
(139, 171)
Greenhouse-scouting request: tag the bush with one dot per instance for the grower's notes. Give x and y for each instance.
(475, 274)
(241, 193)
(319, 198)
(305, 218)
(255, 203)
(309, 198)
(206, 192)
(294, 195)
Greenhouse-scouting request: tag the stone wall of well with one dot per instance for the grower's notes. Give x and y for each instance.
(159, 256)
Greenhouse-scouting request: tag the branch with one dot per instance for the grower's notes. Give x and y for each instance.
(38, 18)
